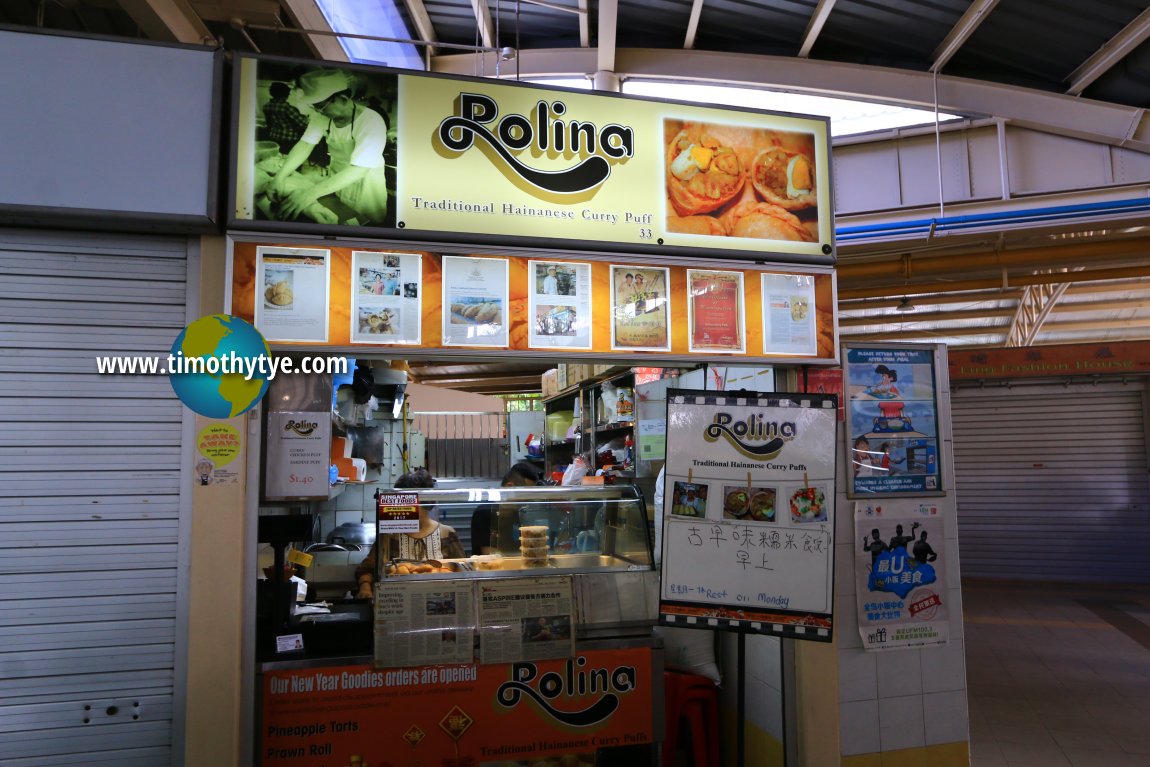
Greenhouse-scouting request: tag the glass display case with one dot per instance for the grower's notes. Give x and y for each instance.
(595, 536)
(534, 530)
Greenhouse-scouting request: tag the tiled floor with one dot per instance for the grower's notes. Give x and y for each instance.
(1058, 676)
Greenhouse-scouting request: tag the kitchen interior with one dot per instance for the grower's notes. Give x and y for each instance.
(467, 421)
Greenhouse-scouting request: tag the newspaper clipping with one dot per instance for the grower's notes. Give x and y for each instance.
(424, 623)
(528, 619)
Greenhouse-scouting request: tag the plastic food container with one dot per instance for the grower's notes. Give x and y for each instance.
(558, 423)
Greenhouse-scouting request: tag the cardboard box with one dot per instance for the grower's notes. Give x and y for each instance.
(549, 385)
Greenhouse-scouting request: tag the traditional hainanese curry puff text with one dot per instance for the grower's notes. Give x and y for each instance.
(765, 221)
(784, 178)
(702, 173)
(695, 225)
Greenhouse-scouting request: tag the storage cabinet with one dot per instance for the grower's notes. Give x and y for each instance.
(559, 413)
(603, 420)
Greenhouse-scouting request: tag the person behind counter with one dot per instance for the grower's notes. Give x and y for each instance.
(521, 474)
(433, 541)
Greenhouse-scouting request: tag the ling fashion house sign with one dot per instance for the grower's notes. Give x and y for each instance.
(488, 162)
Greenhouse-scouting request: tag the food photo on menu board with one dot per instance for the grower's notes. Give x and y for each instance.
(293, 293)
(739, 181)
(715, 311)
(385, 297)
(559, 305)
(321, 143)
(893, 418)
(640, 308)
(475, 301)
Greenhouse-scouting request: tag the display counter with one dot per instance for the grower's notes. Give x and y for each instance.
(539, 648)
(597, 538)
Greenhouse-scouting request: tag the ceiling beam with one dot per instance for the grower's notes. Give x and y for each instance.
(608, 26)
(1037, 303)
(423, 26)
(960, 33)
(1014, 281)
(928, 300)
(305, 14)
(693, 23)
(909, 267)
(1112, 51)
(893, 318)
(919, 334)
(483, 20)
(1056, 113)
(168, 21)
(815, 26)
(486, 383)
(251, 11)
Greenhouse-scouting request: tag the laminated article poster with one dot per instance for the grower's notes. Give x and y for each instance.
(900, 574)
(526, 619)
(293, 293)
(640, 309)
(420, 623)
(715, 311)
(385, 297)
(475, 301)
(789, 314)
(559, 295)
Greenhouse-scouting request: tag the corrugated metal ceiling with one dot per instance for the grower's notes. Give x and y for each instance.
(1032, 43)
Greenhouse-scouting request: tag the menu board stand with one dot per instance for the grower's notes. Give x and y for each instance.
(748, 523)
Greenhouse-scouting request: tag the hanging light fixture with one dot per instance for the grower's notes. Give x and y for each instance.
(905, 305)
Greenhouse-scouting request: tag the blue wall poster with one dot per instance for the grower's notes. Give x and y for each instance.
(892, 418)
(900, 574)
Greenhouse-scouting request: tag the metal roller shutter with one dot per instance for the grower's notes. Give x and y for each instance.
(1051, 482)
(91, 509)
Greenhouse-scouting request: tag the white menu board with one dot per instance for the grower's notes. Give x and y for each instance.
(298, 455)
(748, 522)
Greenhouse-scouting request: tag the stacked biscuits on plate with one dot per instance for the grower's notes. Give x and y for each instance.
(533, 545)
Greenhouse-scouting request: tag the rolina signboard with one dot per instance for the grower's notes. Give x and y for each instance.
(354, 150)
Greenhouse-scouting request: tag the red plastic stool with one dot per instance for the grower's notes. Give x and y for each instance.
(695, 699)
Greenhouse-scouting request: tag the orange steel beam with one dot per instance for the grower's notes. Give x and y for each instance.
(1018, 280)
(907, 266)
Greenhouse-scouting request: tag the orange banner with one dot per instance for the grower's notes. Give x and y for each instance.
(339, 302)
(460, 714)
(1118, 358)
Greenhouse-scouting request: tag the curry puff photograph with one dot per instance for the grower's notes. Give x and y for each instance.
(731, 181)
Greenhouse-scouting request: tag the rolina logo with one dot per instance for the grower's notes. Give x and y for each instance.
(302, 428)
(754, 436)
(542, 133)
(609, 684)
